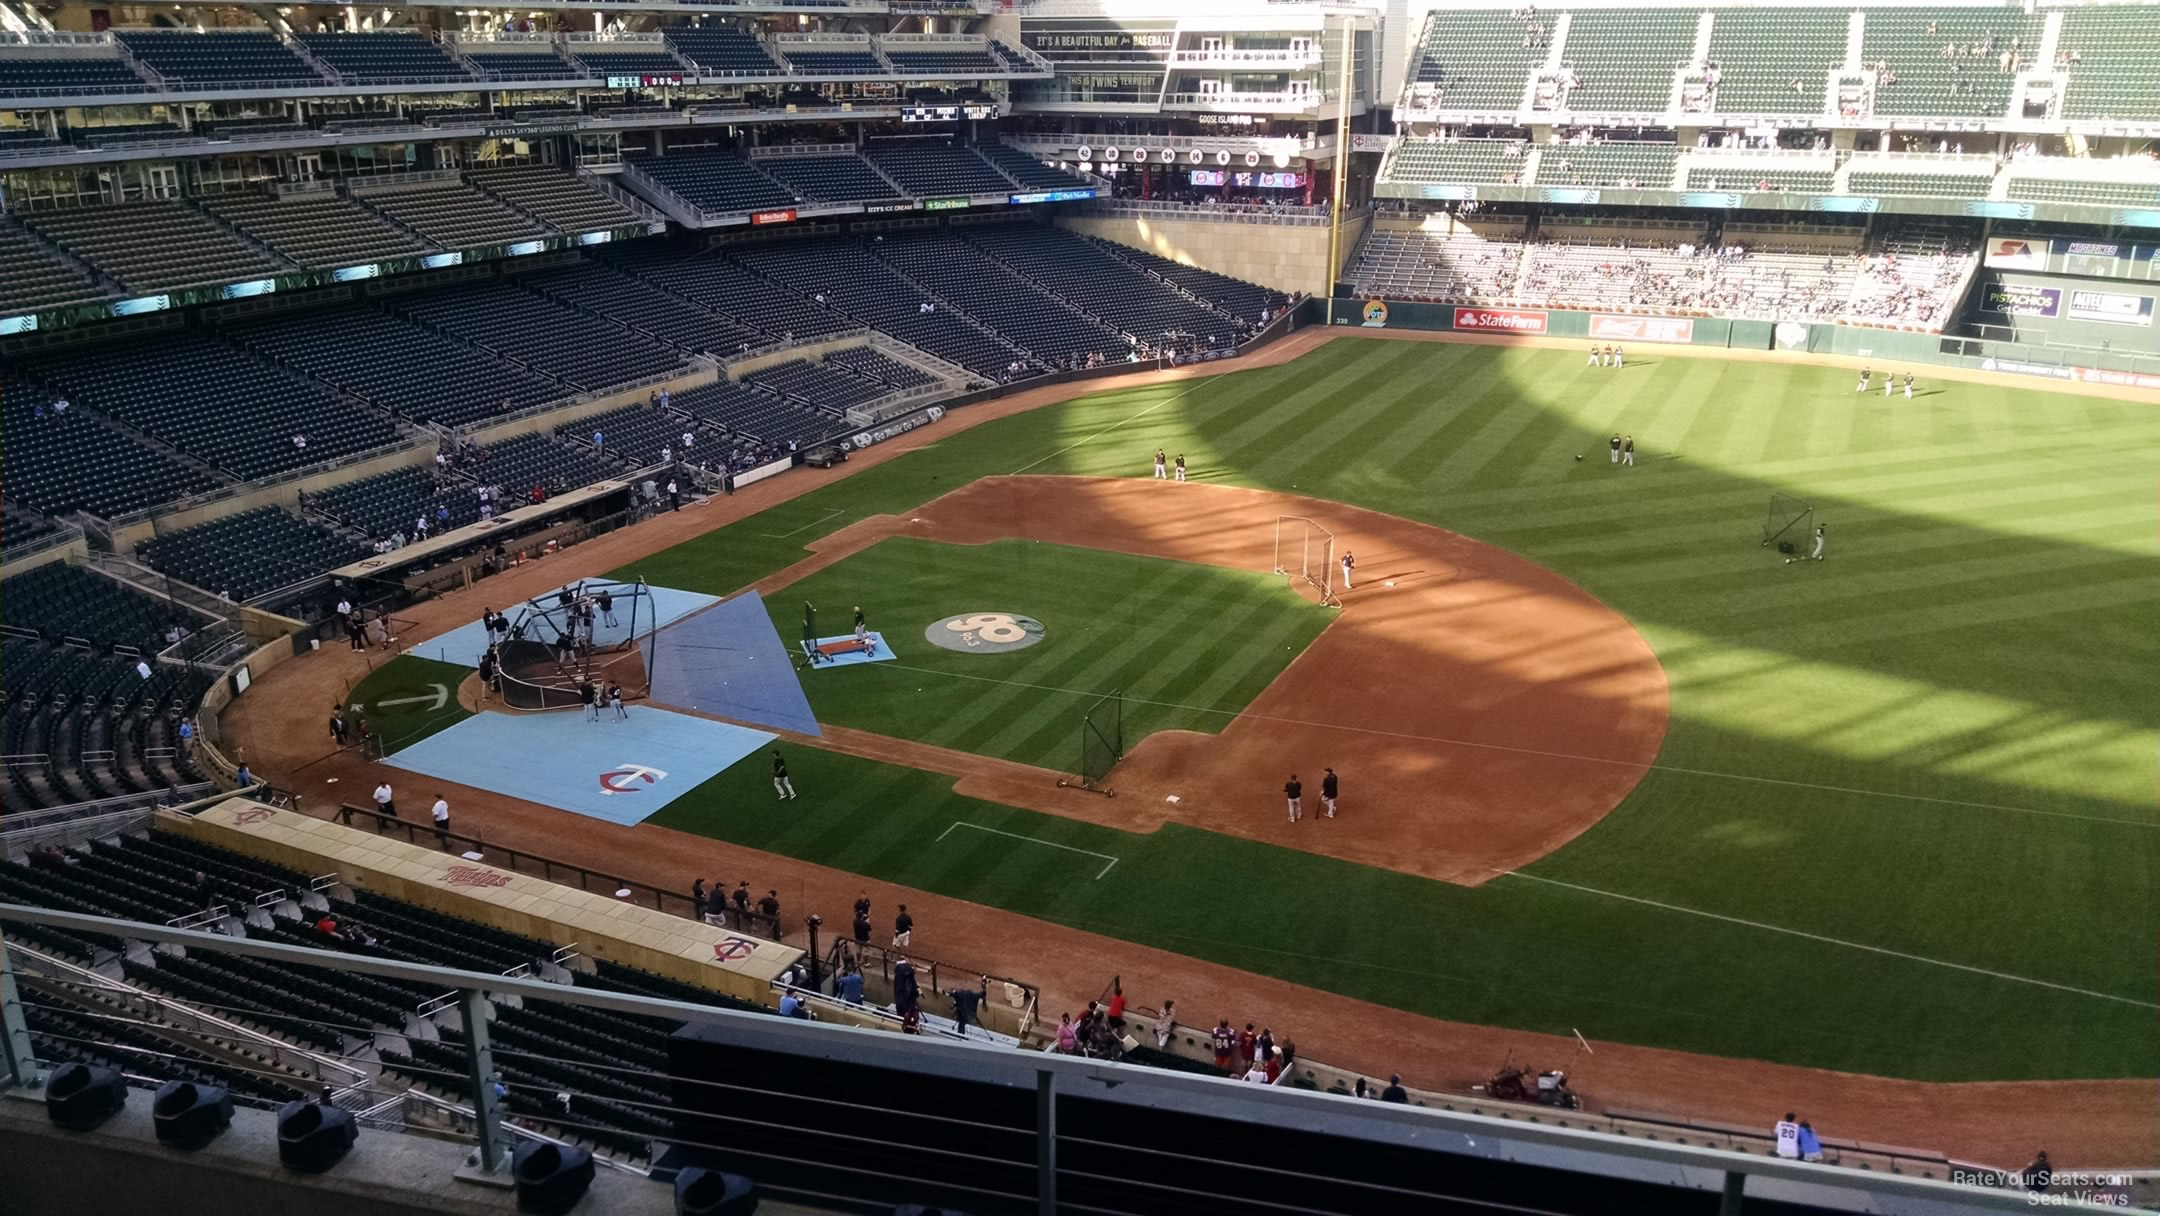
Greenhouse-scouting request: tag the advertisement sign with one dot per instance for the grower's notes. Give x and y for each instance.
(2016, 253)
(1791, 335)
(1052, 196)
(2022, 368)
(944, 204)
(888, 208)
(253, 287)
(2112, 307)
(2095, 375)
(2022, 300)
(18, 325)
(782, 215)
(347, 274)
(1643, 329)
(1500, 320)
(1369, 143)
(1375, 314)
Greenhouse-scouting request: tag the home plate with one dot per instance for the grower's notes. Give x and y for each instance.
(1172, 798)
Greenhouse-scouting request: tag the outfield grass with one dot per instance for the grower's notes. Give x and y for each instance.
(1189, 645)
(399, 699)
(1939, 745)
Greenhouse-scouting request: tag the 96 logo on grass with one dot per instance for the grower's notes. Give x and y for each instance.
(985, 632)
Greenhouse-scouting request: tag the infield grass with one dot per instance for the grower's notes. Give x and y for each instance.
(1189, 645)
(399, 699)
(1904, 820)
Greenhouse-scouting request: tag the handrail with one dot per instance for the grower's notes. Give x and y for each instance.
(524, 862)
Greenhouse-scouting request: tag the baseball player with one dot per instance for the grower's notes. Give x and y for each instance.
(1329, 788)
(1597, 357)
(1162, 465)
(780, 783)
(1294, 793)
(1889, 382)
(614, 700)
(1619, 357)
(1181, 460)
(1627, 451)
(1349, 563)
(1865, 375)
(1615, 446)
(1908, 386)
(1817, 554)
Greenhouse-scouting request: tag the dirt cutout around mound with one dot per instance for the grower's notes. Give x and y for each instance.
(1480, 710)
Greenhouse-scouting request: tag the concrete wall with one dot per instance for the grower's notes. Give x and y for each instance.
(1282, 256)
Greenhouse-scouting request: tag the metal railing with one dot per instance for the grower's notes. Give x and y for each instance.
(1005, 1162)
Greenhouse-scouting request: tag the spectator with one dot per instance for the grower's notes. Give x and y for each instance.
(907, 992)
(1787, 1135)
(1226, 1045)
(791, 1006)
(1116, 1013)
(1810, 1147)
(903, 929)
(967, 1002)
(741, 899)
(1394, 1091)
(2039, 1176)
(1257, 1074)
(850, 985)
(1165, 1024)
(441, 811)
(862, 925)
(698, 899)
(769, 907)
(1068, 1038)
(1359, 1090)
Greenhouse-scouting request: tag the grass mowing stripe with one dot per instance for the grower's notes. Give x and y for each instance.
(1178, 395)
(1522, 876)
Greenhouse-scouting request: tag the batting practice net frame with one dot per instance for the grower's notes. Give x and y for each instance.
(1786, 514)
(1304, 549)
(527, 674)
(1102, 743)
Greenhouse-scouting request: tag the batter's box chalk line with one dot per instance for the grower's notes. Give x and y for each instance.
(1108, 860)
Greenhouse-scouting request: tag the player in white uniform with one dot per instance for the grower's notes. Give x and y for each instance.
(1627, 451)
(1597, 357)
(1349, 562)
(1161, 465)
(1619, 357)
(1817, 554)
(1889, 383)
(1908, 386)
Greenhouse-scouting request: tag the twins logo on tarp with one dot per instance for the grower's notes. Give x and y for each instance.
(985, 632)
(625, 780)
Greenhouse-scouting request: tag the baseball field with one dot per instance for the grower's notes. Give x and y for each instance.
(1901, 818)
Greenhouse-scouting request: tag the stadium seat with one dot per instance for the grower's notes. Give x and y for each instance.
(740, 409)
(219, 57)
(932, 168)
(1775, 60)
(542, 64)
(636, 435)
(533, 332)
(63, 462)
(643, 308)
(1928, 83)
(1470, 160)
(155, 245)
(1624, 59)
(389, 503)
(1476, 59)
(1922, 185)
(605, 59)
(384, 57)
(555, 197)
(874, 293)
(827, 390)
(214, 402)
(1637, 166)
(1460, 267)
(35, 275)
(318, 230)
(43, 76)
(396, 366)
(251, 554)
(833, 61)
(871, 364)
(1040, 324)
(1085, 274)
(830, 179)
(2116, 70)
(729, 290)
(722, 51)
(972, 63)
(1023, 168)
(453, 214)
(713, 179)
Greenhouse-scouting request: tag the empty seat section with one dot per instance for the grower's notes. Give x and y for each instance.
(1479, 59)
(532, 332)
(62, 462)
(957, 62)
(1449, 267)
(1029, 316)
(250, 554)
(58, 76)
(1762, 178)
(35, 276)
(833, 61)
(713, 179)
(1235, 297)
(214, 402)
(1625, 165)
(539, 63)
(152, 246)
(626, 59)
(830, 390)
(391, 55)
(219, 57)
(396, 366)
(741, 409)
(722, 51)
(319, 230)
(934, 168)
(392, 502)
(559, 198)
(1470, 160)
(1088, 276)
(2061, 190)
(872, 364)
(1625, 59)
(454, 215)
(2112, 53)
(634, 434)
(517, 465)
(1031, 173)
(733, 292)
(869, 290)
(830, 179)
(1776, 60)
(644, 308)
(1927, 185)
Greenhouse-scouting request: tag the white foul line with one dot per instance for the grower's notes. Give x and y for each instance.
(792, 531)
(1835, 941)
(1115, 425)
(1108, 860)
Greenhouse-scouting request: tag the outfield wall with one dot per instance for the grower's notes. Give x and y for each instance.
(2127, 368)
(1286, 257)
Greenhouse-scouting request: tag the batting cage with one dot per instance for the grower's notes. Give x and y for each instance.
(1787, 516)
(582, 634)
(1305, 550)
(1102, 743)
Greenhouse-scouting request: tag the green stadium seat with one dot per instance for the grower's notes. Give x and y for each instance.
(1475, 160)
(1624, 59)
(1646, 166)
(1760, 52)
(1921, 185)
(2115, 72)
(1476, 59)
(1911, 41)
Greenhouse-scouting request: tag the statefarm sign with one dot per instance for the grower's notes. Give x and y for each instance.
(1500, 320)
